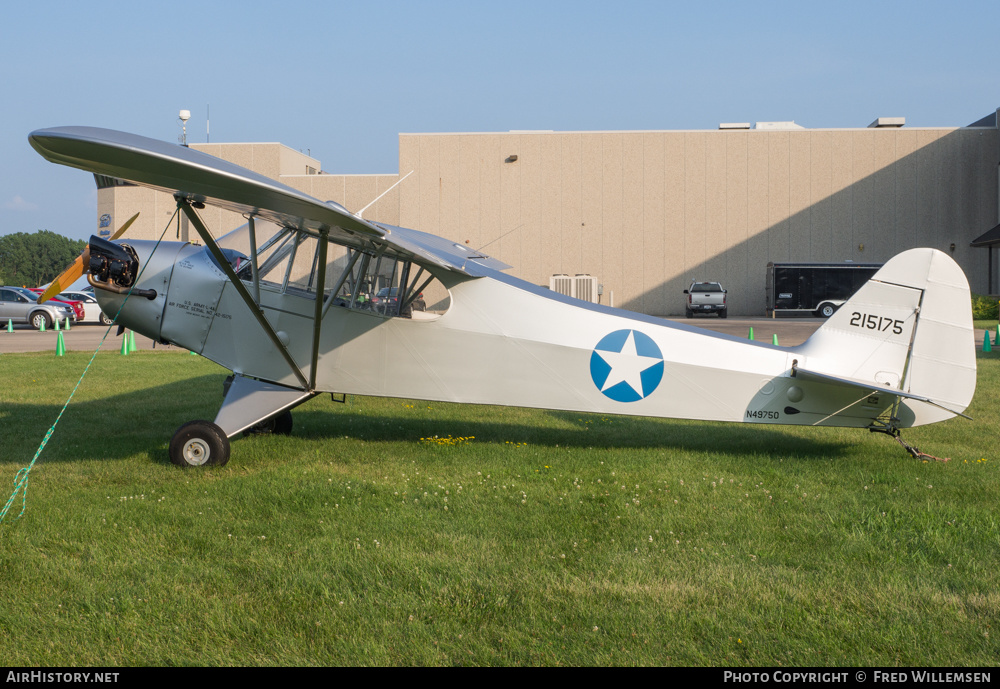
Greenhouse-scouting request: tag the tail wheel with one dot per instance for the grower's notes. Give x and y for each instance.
(199, 443)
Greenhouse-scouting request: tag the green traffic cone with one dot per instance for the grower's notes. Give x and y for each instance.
(774, 339)
(131, 341)
(996, 340)
(750, 336)
(57, 325)
(42, 329)
(10, 325)
(194, 353)
(125, 345)
(60, 346)
(66, 327)
(986, 342)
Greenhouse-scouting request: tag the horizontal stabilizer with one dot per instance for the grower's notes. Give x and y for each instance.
(866, 388)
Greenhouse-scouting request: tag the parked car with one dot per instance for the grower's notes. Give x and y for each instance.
(20, 305)
(92, 311)
(706, 297)
(78, 311)
(385, 300)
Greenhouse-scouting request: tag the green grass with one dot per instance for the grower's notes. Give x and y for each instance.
(529, 538)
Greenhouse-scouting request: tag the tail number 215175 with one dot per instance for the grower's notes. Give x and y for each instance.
(870, 321)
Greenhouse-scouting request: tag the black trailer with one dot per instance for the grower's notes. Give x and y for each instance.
(813, 289)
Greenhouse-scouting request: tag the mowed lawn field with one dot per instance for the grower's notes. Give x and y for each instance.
(400, 532)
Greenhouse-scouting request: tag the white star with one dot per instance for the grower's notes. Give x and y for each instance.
(627, 365)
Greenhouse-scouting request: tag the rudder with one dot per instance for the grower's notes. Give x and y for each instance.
(908, 328)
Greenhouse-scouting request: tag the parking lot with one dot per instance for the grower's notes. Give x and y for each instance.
(85, 337)
(81, 337)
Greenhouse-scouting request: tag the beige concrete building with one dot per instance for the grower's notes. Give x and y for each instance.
(646, 211)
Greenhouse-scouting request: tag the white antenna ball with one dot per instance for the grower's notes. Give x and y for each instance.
(185, 115)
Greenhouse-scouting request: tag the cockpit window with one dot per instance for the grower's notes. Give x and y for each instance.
(362, 279)
(240, 263)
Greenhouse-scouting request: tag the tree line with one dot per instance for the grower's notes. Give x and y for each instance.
(34, 259)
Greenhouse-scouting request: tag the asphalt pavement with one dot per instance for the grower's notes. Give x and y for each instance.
(85, 337)
(80, 337)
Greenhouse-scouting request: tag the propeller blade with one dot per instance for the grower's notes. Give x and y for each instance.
(121, 230)
(76, 269)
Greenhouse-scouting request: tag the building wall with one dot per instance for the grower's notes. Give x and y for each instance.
(274, 160)
(646, 212)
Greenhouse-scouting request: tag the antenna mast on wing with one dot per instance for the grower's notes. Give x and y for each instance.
(358, 214)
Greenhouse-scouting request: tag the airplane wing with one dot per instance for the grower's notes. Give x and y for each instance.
(202, 178)
(193, 175)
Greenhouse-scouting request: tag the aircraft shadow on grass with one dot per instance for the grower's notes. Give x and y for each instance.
(136, 421)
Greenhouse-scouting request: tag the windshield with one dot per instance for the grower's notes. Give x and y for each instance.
(706, 287)
(27, 293)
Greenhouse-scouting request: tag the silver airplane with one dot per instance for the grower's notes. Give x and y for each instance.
(309, 298)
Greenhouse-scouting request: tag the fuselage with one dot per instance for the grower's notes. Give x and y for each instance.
(502, 341)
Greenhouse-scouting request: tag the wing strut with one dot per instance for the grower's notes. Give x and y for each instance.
(253, 260)
(324, 235)
(206, 237)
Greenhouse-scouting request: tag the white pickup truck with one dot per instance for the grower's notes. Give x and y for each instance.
(705, 297)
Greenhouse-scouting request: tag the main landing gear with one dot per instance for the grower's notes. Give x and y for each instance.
(202, 443)
(249, 405)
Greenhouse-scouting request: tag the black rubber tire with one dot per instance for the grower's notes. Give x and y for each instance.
(199, 443)
(39, 317)
(106, 319)
(688, 313)
(826, 310)
(724, 313)
(283, 423)
(280, 425)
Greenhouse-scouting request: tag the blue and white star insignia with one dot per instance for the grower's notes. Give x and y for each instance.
(626, 366)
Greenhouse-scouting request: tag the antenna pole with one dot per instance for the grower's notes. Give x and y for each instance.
(358, 214)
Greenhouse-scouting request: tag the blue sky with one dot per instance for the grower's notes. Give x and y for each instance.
(343, 79)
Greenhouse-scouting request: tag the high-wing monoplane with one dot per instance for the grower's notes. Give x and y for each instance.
(308, 298)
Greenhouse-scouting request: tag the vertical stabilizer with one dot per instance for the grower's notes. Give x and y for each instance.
(908, 328)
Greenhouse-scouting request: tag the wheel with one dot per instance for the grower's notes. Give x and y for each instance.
(283, 423)
(199, 443)
(724, 313)
(827, 310)
(688, 313)
(105, 319)
(280, 424)
(39, 319)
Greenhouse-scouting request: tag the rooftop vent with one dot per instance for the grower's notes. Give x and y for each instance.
(887, 122)
(777, 126)
(734, 125)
